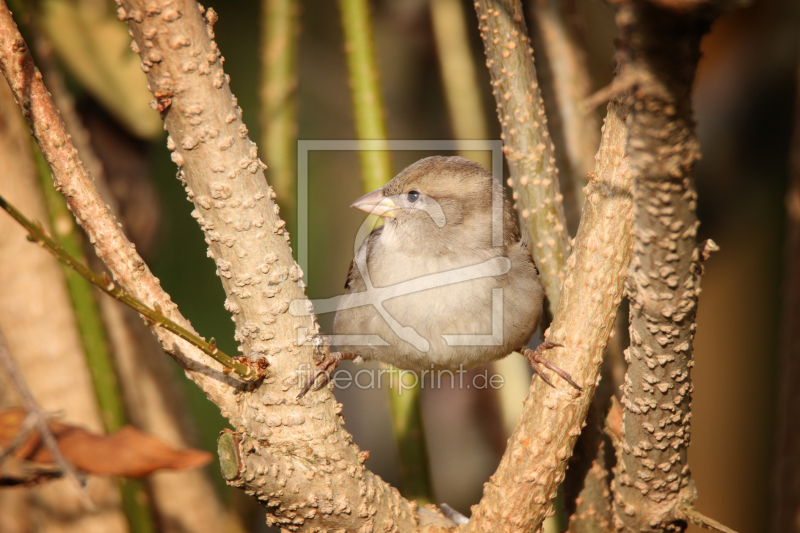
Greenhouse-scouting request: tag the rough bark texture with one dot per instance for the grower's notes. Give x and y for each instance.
(74, 181)
(294, 456)
(526, 140)
(34, 304)
(520, 493)
(652, 483)
(235, 208)
(787, 466)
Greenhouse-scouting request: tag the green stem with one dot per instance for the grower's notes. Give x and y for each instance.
(377, 170)
(459, 78)
(278, 102)
(527, 143)
(409, 432)
(37, 234)
(365, 90)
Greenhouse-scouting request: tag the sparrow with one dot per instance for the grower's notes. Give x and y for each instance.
(446, 283)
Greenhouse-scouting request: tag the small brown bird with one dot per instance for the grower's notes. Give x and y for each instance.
(446, 283)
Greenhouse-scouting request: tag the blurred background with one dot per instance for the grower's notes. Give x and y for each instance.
(744, 100)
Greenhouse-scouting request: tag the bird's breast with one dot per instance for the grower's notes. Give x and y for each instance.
(443, 311)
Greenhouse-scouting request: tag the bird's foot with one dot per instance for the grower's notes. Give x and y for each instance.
(324, 369)
(536, 361)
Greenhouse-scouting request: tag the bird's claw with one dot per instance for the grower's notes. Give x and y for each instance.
(535, 359)
(324, 369)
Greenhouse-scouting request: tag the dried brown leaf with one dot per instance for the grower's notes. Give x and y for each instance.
(126, 452)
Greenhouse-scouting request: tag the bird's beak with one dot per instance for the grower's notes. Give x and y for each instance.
(375, 203)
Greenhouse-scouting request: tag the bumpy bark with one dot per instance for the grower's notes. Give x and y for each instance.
(526, 140)
(294, 456)
(234, 206)
(520, 494)
(652, 484)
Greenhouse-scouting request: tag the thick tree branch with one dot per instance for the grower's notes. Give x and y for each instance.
(527, 143)
(234, 206)
(279, 440)
(652, 483)
(520, 493)
(151, 395)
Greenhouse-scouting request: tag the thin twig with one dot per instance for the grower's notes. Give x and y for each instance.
(37, 234)
(74, 181)
(618, 86)
(699, 519)
(565, 81)
(76, 480)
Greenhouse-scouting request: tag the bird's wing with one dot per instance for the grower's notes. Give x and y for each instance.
(353, 271)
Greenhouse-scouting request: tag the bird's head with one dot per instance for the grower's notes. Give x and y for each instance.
(442, 202)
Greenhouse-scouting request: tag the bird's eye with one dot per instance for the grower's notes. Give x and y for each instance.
(413, 196)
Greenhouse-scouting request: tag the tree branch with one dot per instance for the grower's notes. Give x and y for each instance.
(247, 240)
(520, 493)
(527, 143)
(368, 107)
(37, 234)
(462, 93)
(652, 484)
(278, 439)
(587, 495)
(75, 183)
